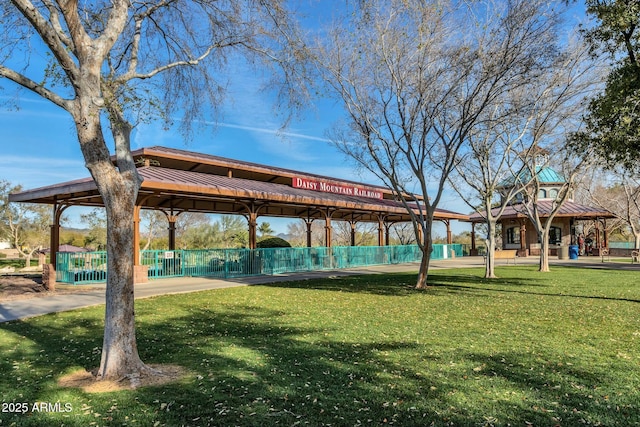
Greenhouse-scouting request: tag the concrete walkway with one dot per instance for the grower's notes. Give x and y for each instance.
(94, 295)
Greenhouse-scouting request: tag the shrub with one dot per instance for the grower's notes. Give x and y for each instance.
(273, 242)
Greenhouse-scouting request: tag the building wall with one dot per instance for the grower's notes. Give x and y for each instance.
(531, 240)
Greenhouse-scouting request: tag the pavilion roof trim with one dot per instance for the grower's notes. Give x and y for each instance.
(157, 178)
(201, 159)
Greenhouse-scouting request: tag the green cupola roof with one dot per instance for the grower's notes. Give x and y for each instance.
(546, 175)
(549, 176)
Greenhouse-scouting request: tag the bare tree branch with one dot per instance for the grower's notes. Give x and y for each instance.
(416, 84)
(56, 42)
(35, 87)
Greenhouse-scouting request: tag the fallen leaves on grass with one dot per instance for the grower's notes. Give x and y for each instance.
(86, 380)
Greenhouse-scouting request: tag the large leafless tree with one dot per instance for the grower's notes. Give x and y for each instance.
(115, 63)
(483, 176)
(540, 113)
(572, 169)
(416, 77)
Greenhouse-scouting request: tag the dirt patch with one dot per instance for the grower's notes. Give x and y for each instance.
(14, 287)
(87, 382)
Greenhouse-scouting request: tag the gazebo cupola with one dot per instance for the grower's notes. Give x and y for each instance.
(549, 181)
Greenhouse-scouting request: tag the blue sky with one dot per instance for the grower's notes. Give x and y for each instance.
(38, 145)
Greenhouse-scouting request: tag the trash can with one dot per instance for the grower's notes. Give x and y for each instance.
(563, 252)
(573, 251)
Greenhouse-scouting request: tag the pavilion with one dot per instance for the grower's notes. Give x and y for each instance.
(177, 181)
(518, 232)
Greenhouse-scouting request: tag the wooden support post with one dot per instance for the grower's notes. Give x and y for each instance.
(523, 239)
(327, 231)
(54, 237)
(172, 231)
(387, 234)
(54, 243)
(353, 232)
(309, 223)
(49, 270)
(251, 215)
(474, 250)
(140, 272)
(252, 219)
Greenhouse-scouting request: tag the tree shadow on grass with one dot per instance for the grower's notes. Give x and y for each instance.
(398, 284)
(476, 290)
(256, 366)
(403, 284)
(543, 387)
(440, 282)
(248, 369)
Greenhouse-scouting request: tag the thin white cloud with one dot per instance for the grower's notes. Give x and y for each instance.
(32, 107)
(153, 134)
(33, 172)
(286, 146)
(270, 131)
(35, 163)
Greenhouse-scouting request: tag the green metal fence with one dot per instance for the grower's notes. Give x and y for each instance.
(91, 267)
(81, 267)
(622, 245)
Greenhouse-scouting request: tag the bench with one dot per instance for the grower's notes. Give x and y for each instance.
(505, 254)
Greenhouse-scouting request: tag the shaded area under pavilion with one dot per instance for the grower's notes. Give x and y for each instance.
(177, 181)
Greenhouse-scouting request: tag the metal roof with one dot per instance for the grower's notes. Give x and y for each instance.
(173, 158)
(550, 176)
(570, 209)
(546, 175)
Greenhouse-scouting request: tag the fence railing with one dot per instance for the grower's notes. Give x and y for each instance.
(81, 267)
(91, 267)
(622, 245)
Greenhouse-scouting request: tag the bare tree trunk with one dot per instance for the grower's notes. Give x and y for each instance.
(28, 255)
(489, 272)
(118, 188)
(422, 282)
(544, 253)
(636, 233)
(120, 353)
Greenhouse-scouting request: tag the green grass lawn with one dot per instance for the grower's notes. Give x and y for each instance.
(17, 263)
(531, 348)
